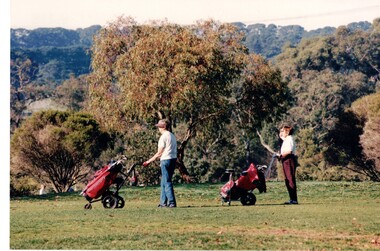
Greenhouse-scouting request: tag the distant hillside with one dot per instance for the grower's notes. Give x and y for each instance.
(53, 37)
(269, 40)
(57, 53)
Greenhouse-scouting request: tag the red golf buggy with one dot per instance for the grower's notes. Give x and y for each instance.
(242, 188)
(99, 188)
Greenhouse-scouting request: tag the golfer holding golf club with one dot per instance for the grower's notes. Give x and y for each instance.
(287, 157)
(167, 152)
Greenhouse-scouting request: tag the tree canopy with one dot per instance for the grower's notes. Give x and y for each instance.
(367, 109)
(326, 75)
(158, 70)
(188, 74)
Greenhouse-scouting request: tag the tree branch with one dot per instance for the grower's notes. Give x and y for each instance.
(263, 143)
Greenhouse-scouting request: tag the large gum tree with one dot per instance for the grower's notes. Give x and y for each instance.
(162, 70)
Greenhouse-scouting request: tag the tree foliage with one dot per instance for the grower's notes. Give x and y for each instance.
(345, 51)
(269, 40)
(57, 147)
(260, 94)
(368, 109)
(23, 72)
(186, 74)
(159, 69)
(73, 93)
(326, 75)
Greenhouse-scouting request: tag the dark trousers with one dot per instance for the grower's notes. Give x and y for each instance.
(288, 165)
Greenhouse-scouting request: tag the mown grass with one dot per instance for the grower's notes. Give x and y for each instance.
(331, 216)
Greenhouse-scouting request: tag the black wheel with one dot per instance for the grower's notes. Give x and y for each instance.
(110, 201)
(120, 202)
(88, 206)
(248, 200)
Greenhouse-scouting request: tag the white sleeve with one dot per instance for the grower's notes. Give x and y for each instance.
(161, 142)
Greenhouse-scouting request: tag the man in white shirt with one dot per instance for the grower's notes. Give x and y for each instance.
(167, 152)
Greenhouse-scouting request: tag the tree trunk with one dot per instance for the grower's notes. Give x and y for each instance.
(190, 132)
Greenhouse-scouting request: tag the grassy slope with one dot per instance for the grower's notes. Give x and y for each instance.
(330, 216)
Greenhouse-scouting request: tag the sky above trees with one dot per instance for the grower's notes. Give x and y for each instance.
(74, 14)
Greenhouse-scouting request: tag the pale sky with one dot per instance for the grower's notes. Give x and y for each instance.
(72, 14)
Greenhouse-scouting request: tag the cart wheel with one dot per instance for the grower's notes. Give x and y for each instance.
(248, 200)
(88, 206)
(120, 202)
(109, 201)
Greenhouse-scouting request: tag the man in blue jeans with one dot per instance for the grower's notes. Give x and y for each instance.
(167, 152)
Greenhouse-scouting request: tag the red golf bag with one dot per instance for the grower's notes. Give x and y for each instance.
(102, 180)
(98, 189)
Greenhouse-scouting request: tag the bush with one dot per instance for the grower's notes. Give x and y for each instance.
(21, 186)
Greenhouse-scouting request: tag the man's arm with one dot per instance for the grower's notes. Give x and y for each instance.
(156, 156)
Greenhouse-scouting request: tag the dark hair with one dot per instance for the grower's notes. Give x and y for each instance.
(288, 129)
(168, 124)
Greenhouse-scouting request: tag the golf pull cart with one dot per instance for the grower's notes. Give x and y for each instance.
(242, 188)
(99, 188)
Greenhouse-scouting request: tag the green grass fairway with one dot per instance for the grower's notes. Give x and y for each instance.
(331, 216)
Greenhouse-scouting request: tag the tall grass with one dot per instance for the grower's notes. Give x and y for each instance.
(330, 216)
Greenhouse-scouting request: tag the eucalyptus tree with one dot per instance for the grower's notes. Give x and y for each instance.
(22, 72)
(162, 70)
(72, 93)
(261, 96)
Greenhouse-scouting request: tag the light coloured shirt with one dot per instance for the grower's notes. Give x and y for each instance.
(169, 143)
(288, 145)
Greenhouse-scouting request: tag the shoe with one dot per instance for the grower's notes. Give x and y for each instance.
(291, 202)
(172, 205)
(159, 205)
